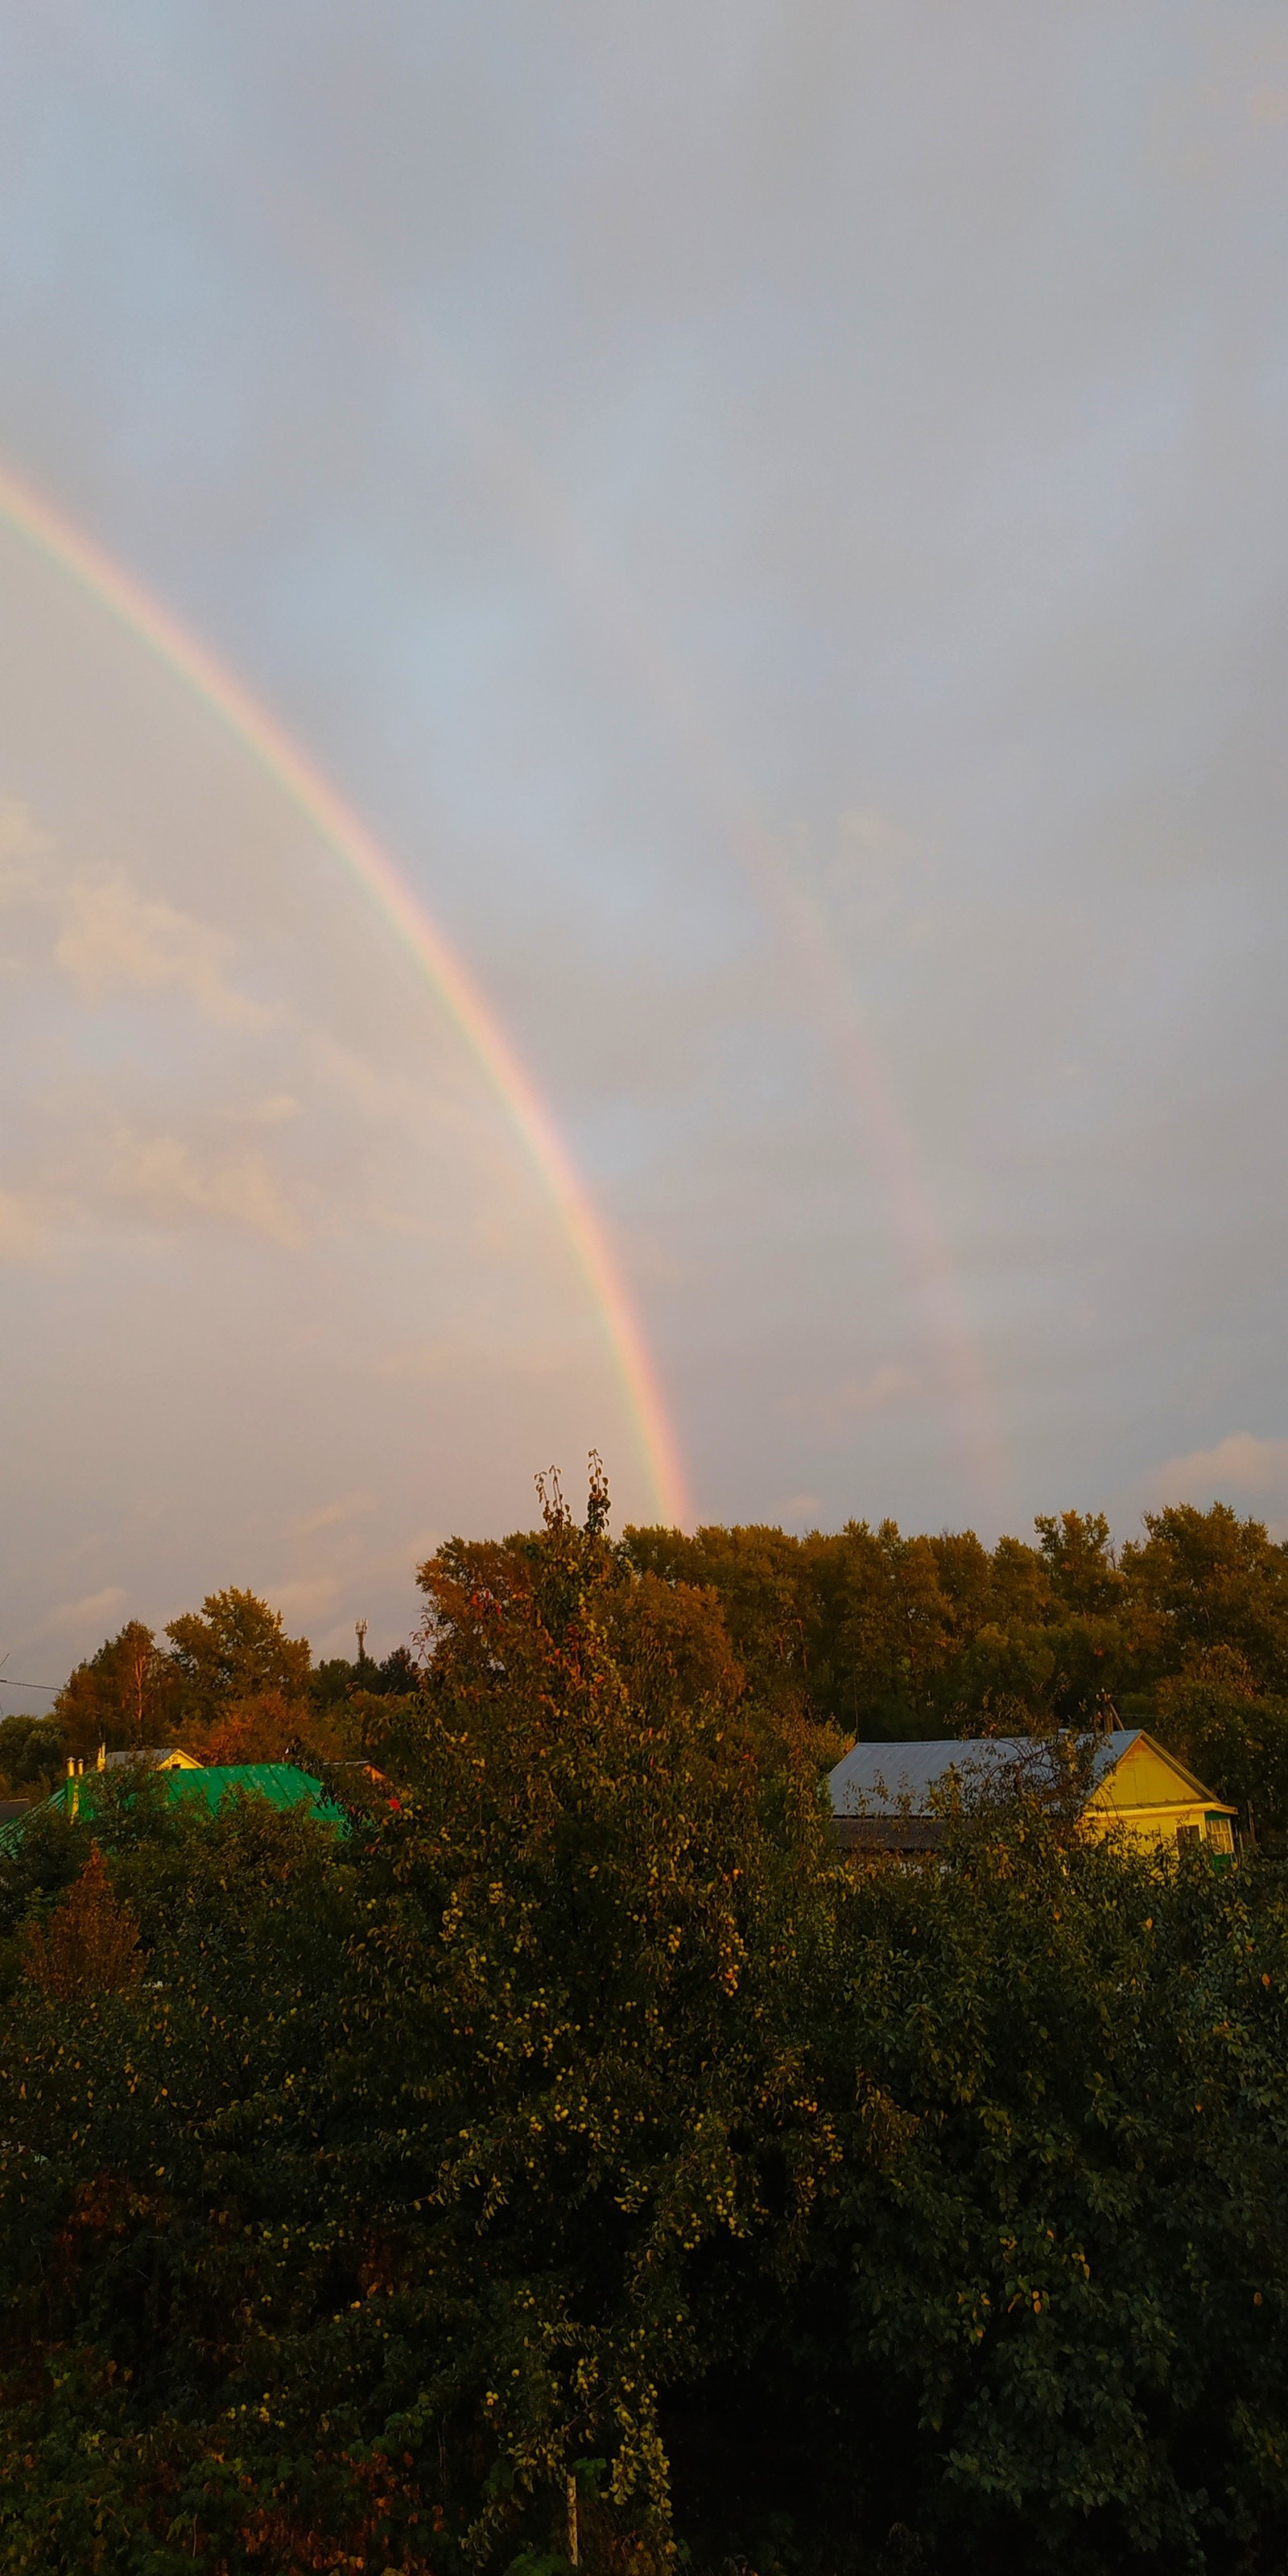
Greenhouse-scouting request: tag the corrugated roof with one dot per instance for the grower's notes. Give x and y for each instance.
(879, 1779)
(154, 1755)
(283, 1784)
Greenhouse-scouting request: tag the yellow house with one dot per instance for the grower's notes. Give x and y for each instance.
(153, 1757)
(1149, 1794)
(884, 1796)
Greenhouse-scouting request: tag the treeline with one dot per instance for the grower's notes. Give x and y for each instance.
(577, 2137)
(860, 1632)
(891, 1636)
(225, 1682)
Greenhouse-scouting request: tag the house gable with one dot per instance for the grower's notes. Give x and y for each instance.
(1145, 1775)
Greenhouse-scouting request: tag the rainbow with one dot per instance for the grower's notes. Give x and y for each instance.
(299, 779)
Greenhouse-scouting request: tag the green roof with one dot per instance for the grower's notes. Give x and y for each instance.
(281, 1784)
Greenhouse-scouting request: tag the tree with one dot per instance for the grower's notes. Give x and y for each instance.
(235, 1648)
(1001, 1682)
(1077, 1551)
(90, 1946)
(1019, 1585)
(488, 1601)
(896, 1629)
(429, 2150)
(1209, 1579)
(32, 1751)
(1233, 1737)
(124, 1695)
(965, 1573)
(764, 1581)
(338, 1678)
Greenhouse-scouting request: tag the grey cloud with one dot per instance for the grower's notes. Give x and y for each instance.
(1243, 1467)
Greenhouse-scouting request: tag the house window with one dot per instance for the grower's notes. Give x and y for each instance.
(1219, 1834)
(1187, 1834)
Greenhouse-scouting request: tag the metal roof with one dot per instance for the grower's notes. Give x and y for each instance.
(880, 1779)
(281, 1784)
(153, 1754)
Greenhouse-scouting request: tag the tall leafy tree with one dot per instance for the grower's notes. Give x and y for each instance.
(126, 1694)
(1206, 1579)
(1078, 1553)
(235, 1648)
(32, 1751)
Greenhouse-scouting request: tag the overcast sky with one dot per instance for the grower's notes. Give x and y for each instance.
(775, 516)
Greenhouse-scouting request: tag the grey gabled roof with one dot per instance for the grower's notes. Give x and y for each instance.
(154, 1754)
(882, 1779)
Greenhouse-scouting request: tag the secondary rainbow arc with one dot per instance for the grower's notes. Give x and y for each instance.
(298, 777)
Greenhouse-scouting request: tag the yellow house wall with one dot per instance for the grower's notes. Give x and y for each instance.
(1153, 1824)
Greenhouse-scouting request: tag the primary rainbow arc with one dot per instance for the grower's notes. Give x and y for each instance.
(298, 777)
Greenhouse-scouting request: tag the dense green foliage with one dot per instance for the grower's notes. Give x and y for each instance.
(582, 2114)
